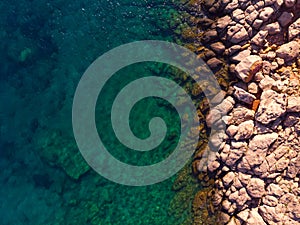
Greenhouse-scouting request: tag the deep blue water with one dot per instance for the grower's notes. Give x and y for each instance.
(45, 48)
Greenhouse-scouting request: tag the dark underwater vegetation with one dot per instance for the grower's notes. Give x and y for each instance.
(45, 48)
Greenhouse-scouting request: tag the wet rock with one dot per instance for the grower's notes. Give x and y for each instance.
(248, 67)
(272, 106)
(214, 63)
(289, 51)
(218, 47)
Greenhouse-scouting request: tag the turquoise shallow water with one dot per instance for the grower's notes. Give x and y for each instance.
(45, 48)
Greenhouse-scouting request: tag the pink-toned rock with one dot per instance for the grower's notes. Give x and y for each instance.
(289, 51)
(262, 141)
(240, 114)
(245, 130)
(266, 13)
(289, 3)
(270, 200)
(237, 33)
(271, 107)
(275, 189)
(269, 214)
(260, 38)
(294, 29)
(293, 104)
(285, 18)
(248, 67)
(255, 219)
(273, 28)
(243, 96)
(256, 188)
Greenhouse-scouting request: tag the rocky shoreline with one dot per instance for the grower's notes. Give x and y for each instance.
(256, 170)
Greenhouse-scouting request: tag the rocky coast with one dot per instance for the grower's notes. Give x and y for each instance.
(254, 176)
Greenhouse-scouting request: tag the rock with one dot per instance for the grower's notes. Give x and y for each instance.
(248, 67)
(270, 200)
(269, 214)
(273, 28)
(243, 95)
(293, 104)
(223, 22)
(240, 114)
(260, 38)
(275, 190)
(253, 88)
(256, 188)
(214, 63)
(237, 33)
(251, 14)
(257, 23)
(228, 178)
(294, 30)
(289, 3)
(238, 15)
(240, 56)
(218, 47)
(226, 105)
(245, 130)
(266, 13)
(262, 141)
(272, 106)
(255, 219)
(289, 51)
(232, 130)
(243, 215)
(285, 18)
(266, 83)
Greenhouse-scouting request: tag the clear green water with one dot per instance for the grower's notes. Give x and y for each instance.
(45, 48)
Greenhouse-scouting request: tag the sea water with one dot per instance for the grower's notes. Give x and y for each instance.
(45, 48)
